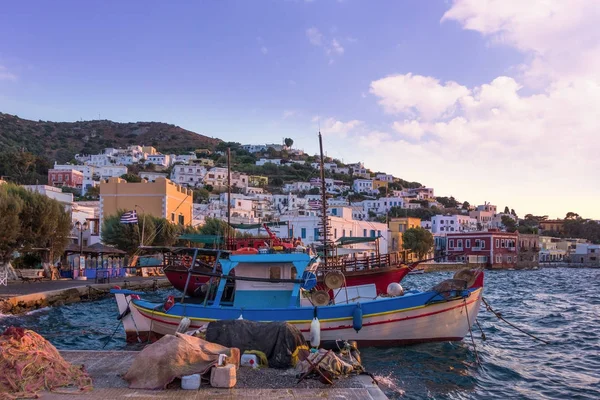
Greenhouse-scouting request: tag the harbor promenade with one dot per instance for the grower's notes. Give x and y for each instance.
(20, 297)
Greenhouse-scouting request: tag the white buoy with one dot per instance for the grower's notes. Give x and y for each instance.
(394, 289)
(184, 325)
(315, 332)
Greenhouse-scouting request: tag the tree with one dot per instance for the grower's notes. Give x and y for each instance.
(131, 178)
(288, 142)
(506, 210)
(200, 195)
(509, 223)
(572, 215)
(512, 212)
(31, 220)
(126, 237)
(448, 202)
(418, 240)
(466, 205)
(93, 192)
(215, 226)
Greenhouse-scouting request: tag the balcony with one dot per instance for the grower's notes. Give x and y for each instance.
(476, 248)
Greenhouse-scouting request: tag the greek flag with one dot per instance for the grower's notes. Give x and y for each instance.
(129, 217)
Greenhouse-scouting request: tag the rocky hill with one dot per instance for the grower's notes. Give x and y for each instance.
(60, 141)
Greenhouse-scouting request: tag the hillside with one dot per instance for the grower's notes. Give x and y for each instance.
(60, 141)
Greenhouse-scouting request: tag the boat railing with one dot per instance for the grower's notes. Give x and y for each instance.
(362, 263)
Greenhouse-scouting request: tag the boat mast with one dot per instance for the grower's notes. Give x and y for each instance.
(323, 202)
(228, 196)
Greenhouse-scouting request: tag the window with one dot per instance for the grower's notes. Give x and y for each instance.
(502, 243)
(343, 233)
(482, 244)
(372, 232)
(468, 243)
(498, 259)
(364, 233)
(275, 273)
(316, 233)
(452, 229)
(293, 273)
(459, 243)
(335, 233)
(497, 243)
(442, 222)
(509, 258)
(442, 228)
(451, 243)
(181, 220)
(303, 233)
(350, 233)
(378, 233)
(451, 222)
(290, 232)
(172, 217)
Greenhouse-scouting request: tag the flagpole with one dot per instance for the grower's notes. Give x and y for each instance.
(143, 224)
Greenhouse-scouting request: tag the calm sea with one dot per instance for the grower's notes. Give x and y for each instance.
(561, 306)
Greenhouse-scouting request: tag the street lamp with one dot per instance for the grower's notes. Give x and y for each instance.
(81, 227)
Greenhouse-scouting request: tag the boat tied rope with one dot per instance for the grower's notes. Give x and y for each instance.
(500, 317)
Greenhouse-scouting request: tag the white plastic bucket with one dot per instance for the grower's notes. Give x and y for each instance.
(249, 360)
(190, 382)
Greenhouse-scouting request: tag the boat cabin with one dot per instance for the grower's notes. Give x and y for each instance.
(265, 280)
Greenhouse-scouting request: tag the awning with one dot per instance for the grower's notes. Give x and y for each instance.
(205, 239)
(343, 241)
(257, 226)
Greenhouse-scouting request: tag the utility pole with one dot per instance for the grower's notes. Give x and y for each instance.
(323, 202)
(228, 194)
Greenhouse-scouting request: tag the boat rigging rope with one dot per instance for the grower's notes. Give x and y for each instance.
(470, 331)
(500, 317)
(479, 326)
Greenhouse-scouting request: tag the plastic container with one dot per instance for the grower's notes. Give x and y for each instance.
(190, 382)
(249, 360)
(223, 377)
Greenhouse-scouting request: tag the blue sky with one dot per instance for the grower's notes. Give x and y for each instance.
(257, 71)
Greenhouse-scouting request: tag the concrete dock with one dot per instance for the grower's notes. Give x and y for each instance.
(106, 368)
(20, 297)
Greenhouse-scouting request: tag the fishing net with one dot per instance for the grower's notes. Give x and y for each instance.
(30, 364)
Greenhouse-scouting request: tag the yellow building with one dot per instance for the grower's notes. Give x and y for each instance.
(161, 198)
(207, 162)
(397, 227)
(378, 183)
(149, 150)
(258, 181)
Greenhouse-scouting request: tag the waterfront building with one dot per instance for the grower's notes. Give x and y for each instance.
(162, 160)
(66, 199)
(397, 227)
(528, 251)
(491, 248)
(385, 177)
(161, 198)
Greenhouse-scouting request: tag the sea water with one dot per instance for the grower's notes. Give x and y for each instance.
(561, 306)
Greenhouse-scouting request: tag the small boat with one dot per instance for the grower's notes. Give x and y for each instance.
(281, 287)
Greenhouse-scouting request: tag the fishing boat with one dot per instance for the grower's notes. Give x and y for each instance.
(281, 287)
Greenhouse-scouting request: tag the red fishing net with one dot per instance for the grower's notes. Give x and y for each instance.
(30, 364)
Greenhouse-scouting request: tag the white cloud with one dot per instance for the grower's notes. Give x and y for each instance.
(534, 150)
(264, 50)
(417, 94)
(561, 38)
(331, 47)
(336, 47)
(332, 126)
(289, 113)
(6, 75)
(315, 37)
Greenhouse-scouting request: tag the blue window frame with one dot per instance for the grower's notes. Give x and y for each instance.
(303, 233)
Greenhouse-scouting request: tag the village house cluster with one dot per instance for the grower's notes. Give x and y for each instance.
(476, 235)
